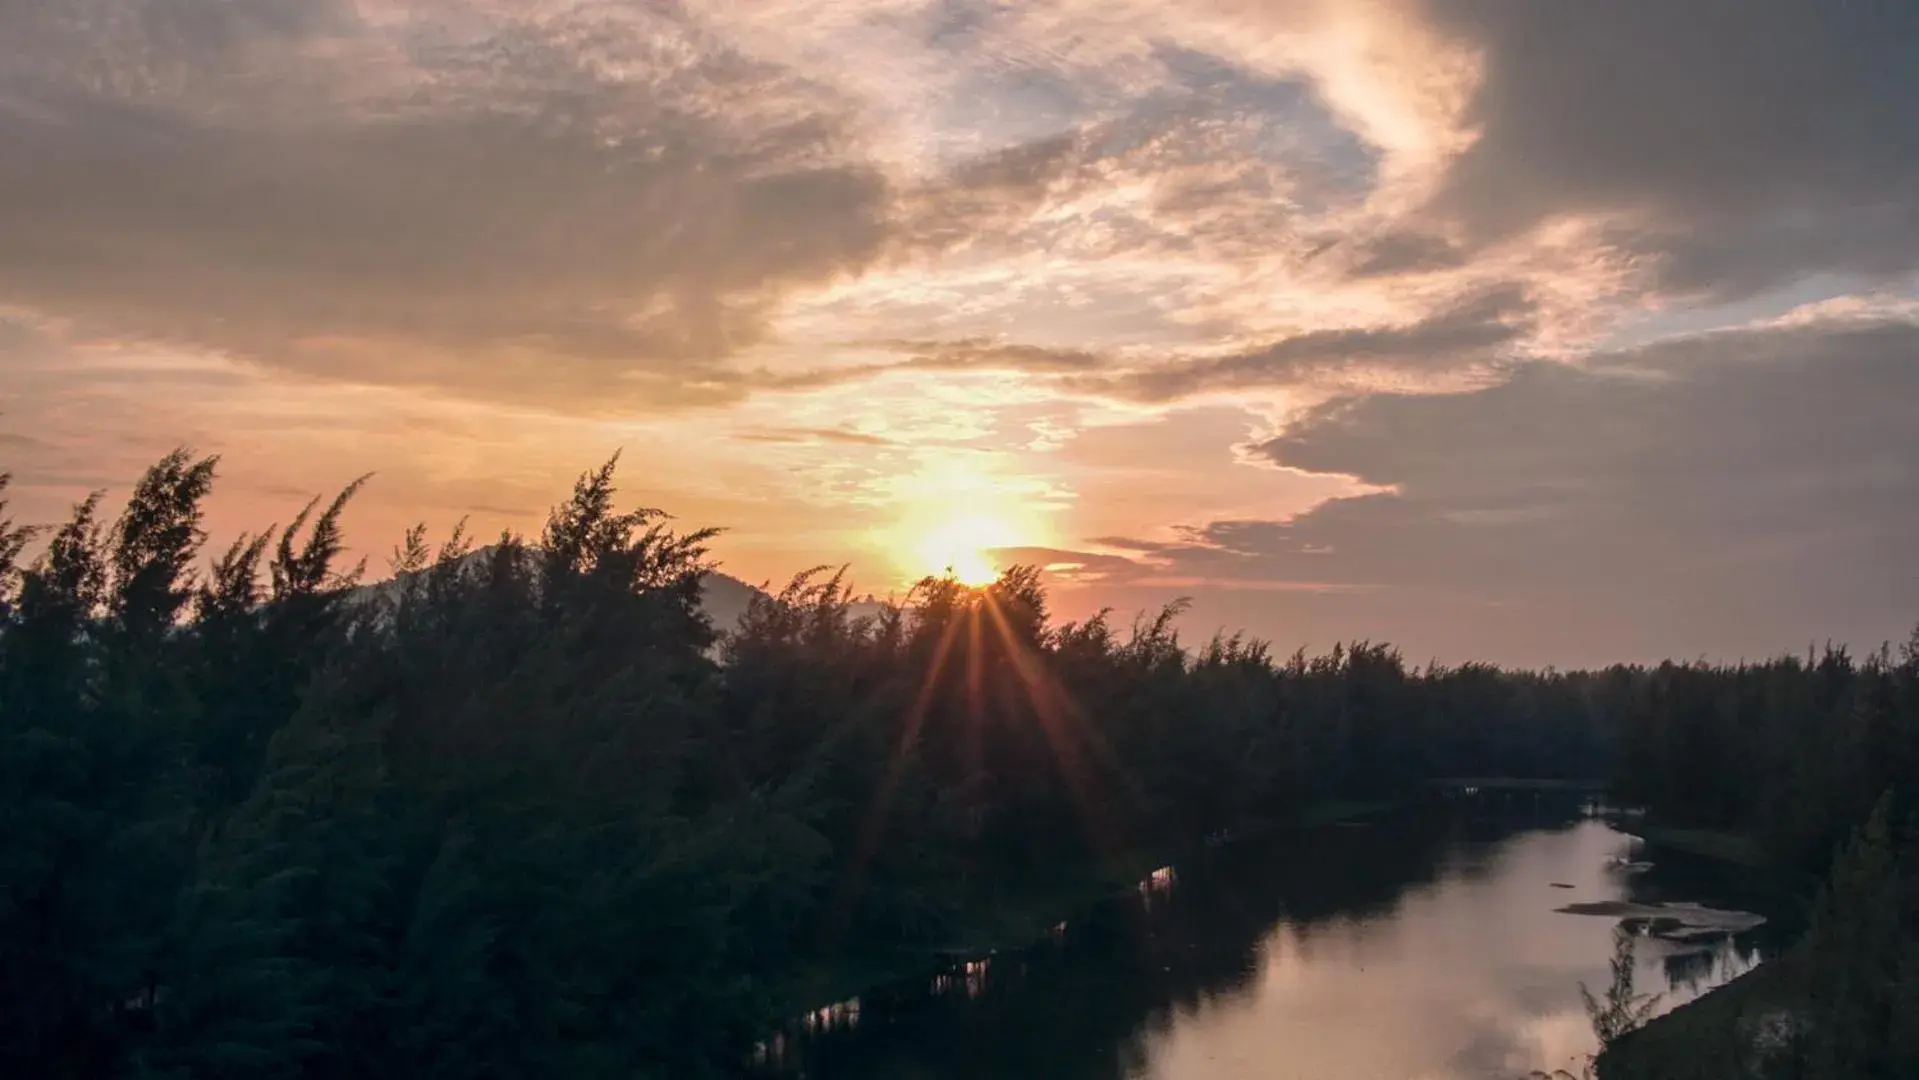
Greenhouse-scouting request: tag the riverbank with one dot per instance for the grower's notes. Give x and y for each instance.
(1010, 921)
(1726, 1033)
(1728, 847)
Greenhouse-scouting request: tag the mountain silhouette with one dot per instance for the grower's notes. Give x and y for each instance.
(723, 597)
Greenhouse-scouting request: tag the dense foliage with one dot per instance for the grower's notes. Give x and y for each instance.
(1817, 763)
(522, 811)
(1791, 753)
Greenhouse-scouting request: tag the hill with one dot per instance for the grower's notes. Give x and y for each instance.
(723, 597)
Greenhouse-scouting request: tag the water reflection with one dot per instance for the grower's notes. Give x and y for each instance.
(1427, 948)
(968, 979)
(1158, 883)
(1691, 971)
(774, 1054)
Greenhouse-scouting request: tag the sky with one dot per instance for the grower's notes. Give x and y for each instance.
(1524, 332)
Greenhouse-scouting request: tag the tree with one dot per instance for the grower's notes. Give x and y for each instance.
(1859, 957)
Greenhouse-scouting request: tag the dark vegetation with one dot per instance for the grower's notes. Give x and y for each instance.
(1809, 771)
(525, 812)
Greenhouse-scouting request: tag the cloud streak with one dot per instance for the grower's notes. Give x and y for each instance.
(1472, 331)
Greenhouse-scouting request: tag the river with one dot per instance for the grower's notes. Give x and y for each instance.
(1428, 947)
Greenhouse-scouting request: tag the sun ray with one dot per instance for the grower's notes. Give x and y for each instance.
(867, 845)
(1063, 726)
(1034, 674)
(1085, 760)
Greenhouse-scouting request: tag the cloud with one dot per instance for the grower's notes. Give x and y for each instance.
(809, 436)
(530, 214)
(604, 208)
(1471, 331)
(1734, 491)
(966, 355)
(607, 207)
(174, 49)
(1067, 564)
(1765, 421)
(1740, 143)
(1404, 252)
(996, 190)
(1212, 163)
(974, 353)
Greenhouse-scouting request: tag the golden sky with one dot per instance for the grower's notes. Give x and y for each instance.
(1495, 330)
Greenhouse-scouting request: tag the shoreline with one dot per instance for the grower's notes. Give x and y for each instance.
(1720, 1034)
(1736, 849)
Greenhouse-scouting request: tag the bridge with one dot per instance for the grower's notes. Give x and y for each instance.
(1472, 785)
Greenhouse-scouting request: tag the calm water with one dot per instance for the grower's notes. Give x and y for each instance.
(1425, 949)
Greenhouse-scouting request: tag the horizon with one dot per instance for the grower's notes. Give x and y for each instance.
(1488, 331)
(366, 572)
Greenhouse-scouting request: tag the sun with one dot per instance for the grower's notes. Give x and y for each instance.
(956, 516)
(962, 546)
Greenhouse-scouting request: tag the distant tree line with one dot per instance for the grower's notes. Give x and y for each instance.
(522, 811)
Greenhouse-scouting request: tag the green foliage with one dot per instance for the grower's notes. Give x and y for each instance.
(1622, 1009)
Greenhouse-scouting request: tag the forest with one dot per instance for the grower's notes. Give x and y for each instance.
(1807, 769)
(520, 810)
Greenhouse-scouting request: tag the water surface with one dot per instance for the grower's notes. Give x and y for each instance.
(1428, 948)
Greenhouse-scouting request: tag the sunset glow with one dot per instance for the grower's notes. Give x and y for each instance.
(963, 547)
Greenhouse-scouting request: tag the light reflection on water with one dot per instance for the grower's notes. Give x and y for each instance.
(1154, 887)
(968, 979)
(1407, 951)
(841, 1015)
